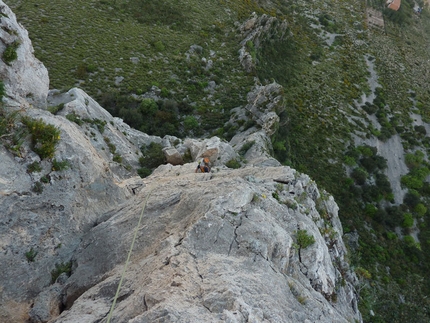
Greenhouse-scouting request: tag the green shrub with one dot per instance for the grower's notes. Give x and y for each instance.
(59, 269)
(60, 165)
(420, 209)
(408, 220)
(117, 158)
(45, 179)
(363, 273)
(73, 117)
(56, 109)
(44, 137)
(190, 123)
(412, 198)
(37, 187)
(100, 124)
(414, 160)
(246, 147)
(233, 163)
(391, 235)
(144, 172)
(304, 240)
(148, 107)
(34, 167)
(359, 175)
(159, 46)
(2, 91)
(31, 254)
(409, 240)
(370, 210)
(370, 108)
(10, 54)
(111, 146)
(153, 156)
(367, 150)
(349, 161)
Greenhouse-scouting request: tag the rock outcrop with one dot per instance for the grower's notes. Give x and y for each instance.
(216, 247)
(255, 244)
(26, 78)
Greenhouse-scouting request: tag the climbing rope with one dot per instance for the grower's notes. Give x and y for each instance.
(128, 258)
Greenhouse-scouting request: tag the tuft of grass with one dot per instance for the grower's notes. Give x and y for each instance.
(64, 267)
(73, 117)
(44, 137)
(10, 54)
(37, 187)
(31, 255)
(56, 109)
(34, 167)
(233, 163)
(304, 239)
(58, 165)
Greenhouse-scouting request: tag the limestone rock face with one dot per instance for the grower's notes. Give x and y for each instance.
(25, 78)
(51, 220)
(253, 31)
(215, 247)
(264, 102)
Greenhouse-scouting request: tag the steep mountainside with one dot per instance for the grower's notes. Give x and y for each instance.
(335, 89)
(259, 243)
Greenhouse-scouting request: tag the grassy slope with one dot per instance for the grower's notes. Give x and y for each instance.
(321, 83)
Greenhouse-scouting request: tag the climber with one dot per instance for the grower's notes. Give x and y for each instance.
(204, 166)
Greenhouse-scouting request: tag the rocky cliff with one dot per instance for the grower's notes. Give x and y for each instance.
(256, 244)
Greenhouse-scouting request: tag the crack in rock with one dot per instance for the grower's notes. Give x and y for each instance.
(235, 237)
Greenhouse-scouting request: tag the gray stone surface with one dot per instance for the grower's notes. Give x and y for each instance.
(218, 250)
(26, 78)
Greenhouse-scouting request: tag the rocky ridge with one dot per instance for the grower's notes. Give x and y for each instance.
(212, 247)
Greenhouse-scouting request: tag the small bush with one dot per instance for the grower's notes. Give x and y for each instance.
(408, 220)
(73, 117)
(246, 147)
(144, 172)
(159, 46)
(59, 269)
(2, 90)
(304, 240)
(420, 209)
(359, 175)
(44, 137)
(111, 146)
(60, 165)
(153, 156)
(45, 179)
(190, 123)
(370, 210)
(233, 163)
(10, 54)
(117, 158)
(31, 254)
(37, 187)
(56, 109)
(34, 167)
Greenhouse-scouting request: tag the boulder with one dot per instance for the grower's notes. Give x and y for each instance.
(173, 156)
(219, 152)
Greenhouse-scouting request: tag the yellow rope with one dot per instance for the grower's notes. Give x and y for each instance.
(128, 258)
